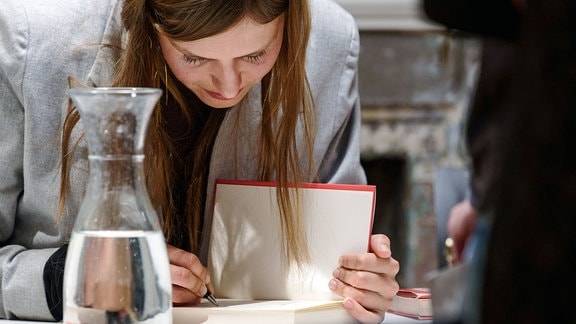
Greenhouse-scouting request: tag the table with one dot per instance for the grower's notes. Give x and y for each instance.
(390, 319)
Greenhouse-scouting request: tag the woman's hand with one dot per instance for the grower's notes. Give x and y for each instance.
(190, 278)
(367, 281)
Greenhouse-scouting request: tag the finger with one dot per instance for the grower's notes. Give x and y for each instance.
(184, 278)
(369, 301)
(370, 262)
(360, 313)
(190, 261)
(380, 245)
(184, 297)
(385, 286)
(371, 290)
(189, 276)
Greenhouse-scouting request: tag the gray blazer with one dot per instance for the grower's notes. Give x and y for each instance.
(44, 42)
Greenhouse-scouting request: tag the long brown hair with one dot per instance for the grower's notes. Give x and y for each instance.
(287, 108)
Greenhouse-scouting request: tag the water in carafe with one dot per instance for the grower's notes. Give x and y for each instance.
(117, 268)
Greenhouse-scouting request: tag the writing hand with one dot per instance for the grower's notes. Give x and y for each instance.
(190, 278)
(367, 281)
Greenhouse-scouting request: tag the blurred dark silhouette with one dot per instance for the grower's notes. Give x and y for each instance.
(525, 175)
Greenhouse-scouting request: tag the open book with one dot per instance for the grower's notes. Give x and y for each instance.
(245, 257)
(251, 282)
(264, 312)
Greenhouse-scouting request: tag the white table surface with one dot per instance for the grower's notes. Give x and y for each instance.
(390, 319)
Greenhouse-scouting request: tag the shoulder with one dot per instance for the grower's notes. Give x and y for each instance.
(14, 36)
(333, 51)
(330, 11)
(58, 19)
(331, 22)
(334, 37)
(44, 42)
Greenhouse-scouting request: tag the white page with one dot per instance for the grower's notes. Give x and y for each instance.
(244, 258)
(264, 312)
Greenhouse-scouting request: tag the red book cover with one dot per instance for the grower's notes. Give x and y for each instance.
(413, 302)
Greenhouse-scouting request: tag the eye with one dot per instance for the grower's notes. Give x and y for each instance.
(193, 60)
(256, 59)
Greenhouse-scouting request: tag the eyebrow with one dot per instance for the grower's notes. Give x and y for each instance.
(188, 53)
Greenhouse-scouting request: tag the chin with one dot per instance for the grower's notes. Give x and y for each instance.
(219, 104)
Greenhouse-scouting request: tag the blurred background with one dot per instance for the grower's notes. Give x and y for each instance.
(416, 80)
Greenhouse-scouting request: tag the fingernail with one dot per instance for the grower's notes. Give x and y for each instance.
(348, 303)
(336, 273)
(332, 284)
(203, 290)
(384, 247)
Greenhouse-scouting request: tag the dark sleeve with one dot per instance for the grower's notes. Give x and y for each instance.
(495, 18)
(54, 282)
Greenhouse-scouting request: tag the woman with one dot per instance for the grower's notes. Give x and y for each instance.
(259, 90)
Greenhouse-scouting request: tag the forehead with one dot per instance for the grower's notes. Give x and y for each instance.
(245, 38)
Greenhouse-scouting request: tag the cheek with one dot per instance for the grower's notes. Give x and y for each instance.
(260, 71)
(252, 74)
(179, 68)
(183, 72)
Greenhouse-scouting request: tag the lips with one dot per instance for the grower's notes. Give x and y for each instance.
(218, 96)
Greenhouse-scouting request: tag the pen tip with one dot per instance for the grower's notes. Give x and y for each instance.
(211, 299)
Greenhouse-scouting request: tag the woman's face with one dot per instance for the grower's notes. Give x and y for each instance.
(221, 69)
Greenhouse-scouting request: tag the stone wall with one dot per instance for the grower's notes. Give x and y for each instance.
(415, 88)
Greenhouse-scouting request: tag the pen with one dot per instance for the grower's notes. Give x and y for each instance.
(211, 298)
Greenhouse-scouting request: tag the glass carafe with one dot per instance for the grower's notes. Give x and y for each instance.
(117, 268)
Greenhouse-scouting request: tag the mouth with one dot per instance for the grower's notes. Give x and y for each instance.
(218, 96)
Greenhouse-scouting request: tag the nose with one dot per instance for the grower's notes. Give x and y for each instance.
(227, 80)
